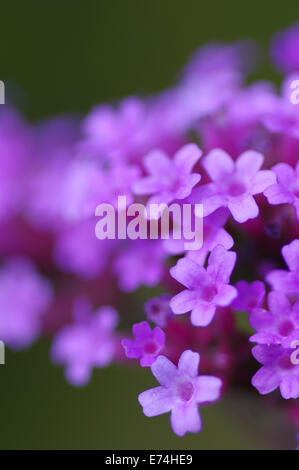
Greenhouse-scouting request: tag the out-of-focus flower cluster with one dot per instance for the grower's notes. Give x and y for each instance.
(211, 139)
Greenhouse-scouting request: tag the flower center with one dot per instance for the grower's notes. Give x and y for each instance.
(236, 188)
(150, 347)
(208, 293)
(285, 328)
(185, 391)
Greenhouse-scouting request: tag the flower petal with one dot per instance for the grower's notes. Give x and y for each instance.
(249, 162)
(243, 208)
(164, 371)
(217, 164)
(185, 418)
(203, 314)
(189, 362)
(155, 401)
(261, 181)
(186, 157)
(209, 388)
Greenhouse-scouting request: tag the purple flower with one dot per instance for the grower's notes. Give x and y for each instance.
(169, 179)
(287, 281)
(206, 288)
(24, 298)
(286, 190)
(250, 296)
(88, 342)
(147, 345)
(277, 371)
(181, 391)
(234, 183)
(140, 262)
(158, 310)
(284, 50)
(277, 324)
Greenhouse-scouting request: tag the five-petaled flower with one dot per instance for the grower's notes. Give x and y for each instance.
(181, 390)
(147, 345)
(206, 288)
(169, 179)
(234, 183)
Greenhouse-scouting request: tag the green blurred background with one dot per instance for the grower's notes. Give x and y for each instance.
(66, 56)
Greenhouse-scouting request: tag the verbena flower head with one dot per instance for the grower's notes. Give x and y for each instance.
(24, 298)
(234, 183)
(87, 343)
(147, 344)
(169, 179)
(286, 190)
(180, 392)
(206, 288)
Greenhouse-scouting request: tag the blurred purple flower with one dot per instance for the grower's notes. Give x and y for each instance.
(24, 298)
(139, 262)
(285, 49)
(88, 342)
(286, 190)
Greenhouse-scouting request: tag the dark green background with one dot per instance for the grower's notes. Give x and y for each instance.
(66, 56)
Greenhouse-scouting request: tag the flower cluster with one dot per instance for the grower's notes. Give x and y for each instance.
(211, 139)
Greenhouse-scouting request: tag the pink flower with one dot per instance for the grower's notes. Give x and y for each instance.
(147, 344)
(181, 391)
(169, 179)
(234, 183)
(88, 342)
(206, 288)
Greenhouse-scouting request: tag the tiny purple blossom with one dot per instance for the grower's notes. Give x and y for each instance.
(206, 288)
(250, 296)
(147, 344)
(169, 179)
(277, 324)
(287, 281)
(181, 391)
(277, 371)
(24, 298)
(234, 183)
(286, 190)
(88, 342)
(158, 310)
